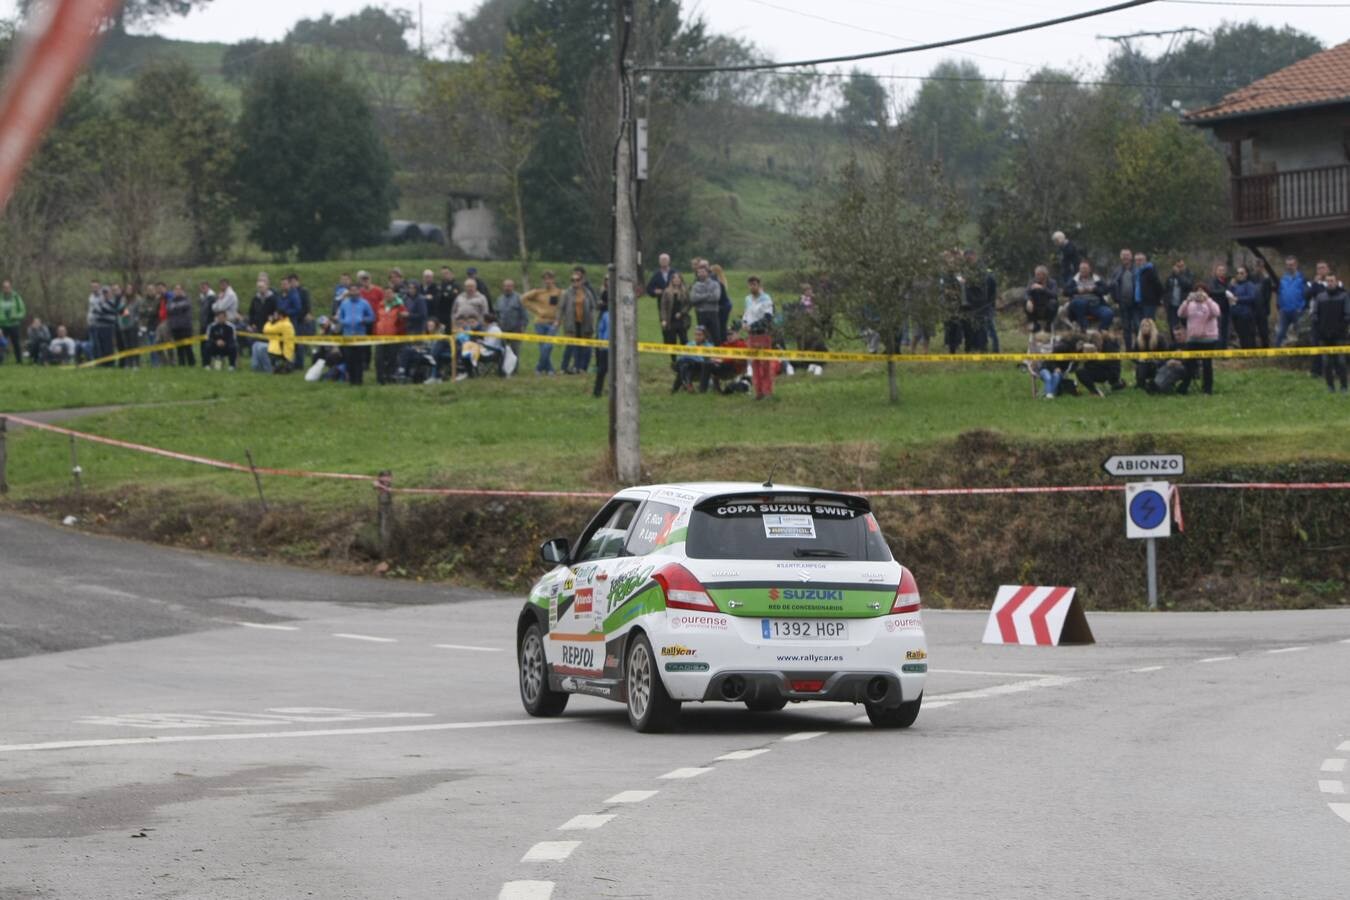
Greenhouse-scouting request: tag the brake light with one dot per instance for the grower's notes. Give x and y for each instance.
(683, 590)
(811, 686)
(907, 595)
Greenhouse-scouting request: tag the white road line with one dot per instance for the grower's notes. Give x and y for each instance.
(1286, 649)
(1346, 641)
(743, 754)
(631, 796)
(1341, 809)
(994, 674)
(1013, 688)
(1331, 787)
(272, 735)
(268, 626)
(365, 637)
(1218, 659)
(802, 736)
(585, 822)
(468, 647)
(1344, 748)
(935, 704)
(1149, 669)
(550, 851)
(1333, 765)
(686, 772)
(526, 890)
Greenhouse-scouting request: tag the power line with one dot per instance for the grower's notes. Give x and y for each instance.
(1267, 5)
(865, 29)
(918, 48)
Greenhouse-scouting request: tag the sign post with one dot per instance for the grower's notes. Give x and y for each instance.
(1148, 517)
(1148, 504)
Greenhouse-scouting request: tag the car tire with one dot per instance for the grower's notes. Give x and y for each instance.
(535, 694)
(650, 708)
(901, 716)
(766, 704)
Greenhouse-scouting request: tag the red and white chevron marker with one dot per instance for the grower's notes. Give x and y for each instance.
(1037, 616)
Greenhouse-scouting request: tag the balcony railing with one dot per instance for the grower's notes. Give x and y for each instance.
(1288, 198)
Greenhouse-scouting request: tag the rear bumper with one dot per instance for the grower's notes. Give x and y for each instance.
(847, 687)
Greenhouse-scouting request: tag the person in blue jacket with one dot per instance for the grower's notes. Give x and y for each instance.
(1246, 299)
(355, 317)
(1293, 287)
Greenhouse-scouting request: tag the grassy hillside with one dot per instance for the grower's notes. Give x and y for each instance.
(747, 191)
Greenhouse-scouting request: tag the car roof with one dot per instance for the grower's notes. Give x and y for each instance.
(695, 492)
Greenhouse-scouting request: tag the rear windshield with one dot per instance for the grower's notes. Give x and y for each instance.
(785, 527)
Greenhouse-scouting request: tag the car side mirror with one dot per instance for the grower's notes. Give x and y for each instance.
(555, 551)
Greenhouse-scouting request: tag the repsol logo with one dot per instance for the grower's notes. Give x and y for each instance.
(805, 594)
(580, 657)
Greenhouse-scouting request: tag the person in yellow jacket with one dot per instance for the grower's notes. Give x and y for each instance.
(542, 305)
(280, 341)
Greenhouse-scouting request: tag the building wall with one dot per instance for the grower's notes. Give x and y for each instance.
(474, 228)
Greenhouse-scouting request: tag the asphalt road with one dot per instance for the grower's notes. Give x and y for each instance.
(345, 752)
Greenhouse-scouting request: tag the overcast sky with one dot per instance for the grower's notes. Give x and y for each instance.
(794, 29)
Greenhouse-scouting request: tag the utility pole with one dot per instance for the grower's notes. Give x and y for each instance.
(623, 287)
(1148, 75)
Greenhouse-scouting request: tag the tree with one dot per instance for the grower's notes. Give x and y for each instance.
(136, 12)
(877, 231)
(374, 29)
(1203, 69)
(1164, 188)
(495, 109)
(138, 201)
(313, 175)
(1060, 133)
(485, 29)
(865, 103)
(961, 120)
(169, 101)
(240, 58)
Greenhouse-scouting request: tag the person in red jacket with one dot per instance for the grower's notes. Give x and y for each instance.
(391, 319)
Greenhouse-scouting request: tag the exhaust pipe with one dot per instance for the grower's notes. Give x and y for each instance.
(733, 688)
(877, 689)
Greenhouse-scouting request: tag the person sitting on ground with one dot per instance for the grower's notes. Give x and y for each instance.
(494, 348)
(731, 375)
(1041, 305)
(1054, 374)
(1094, 373)
(220, 343)
(1038, 344)
(280, 335)
(1148, 340)
(1202, 316)
(37, 337)
(689, 367)
(1174, 376)
(62, 349)
(1086, 293)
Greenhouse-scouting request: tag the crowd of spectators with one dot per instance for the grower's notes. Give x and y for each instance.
(456, 326)
(1085, 313)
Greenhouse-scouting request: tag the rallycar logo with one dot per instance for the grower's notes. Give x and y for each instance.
(678, 650)
(804, 594)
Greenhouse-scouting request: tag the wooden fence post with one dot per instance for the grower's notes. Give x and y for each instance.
(385, 510)
(76, 472)
(4, 456)
(262, 501)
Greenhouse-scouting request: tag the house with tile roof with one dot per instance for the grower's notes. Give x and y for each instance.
(1287, 138)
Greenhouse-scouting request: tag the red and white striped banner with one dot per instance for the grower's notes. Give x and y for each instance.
(59, 37)
(1036, 616)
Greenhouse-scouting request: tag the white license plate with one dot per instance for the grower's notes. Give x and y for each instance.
(804, 629)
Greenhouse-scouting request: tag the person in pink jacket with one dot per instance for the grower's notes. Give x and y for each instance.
(1201, 315)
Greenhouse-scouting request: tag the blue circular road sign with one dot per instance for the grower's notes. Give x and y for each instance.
(1148, 509)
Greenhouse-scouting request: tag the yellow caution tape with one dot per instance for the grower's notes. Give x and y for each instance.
(808, 356)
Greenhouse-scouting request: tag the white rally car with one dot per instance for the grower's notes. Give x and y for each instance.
(746, 593)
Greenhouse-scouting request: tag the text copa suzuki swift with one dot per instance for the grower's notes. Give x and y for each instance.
(724, 592)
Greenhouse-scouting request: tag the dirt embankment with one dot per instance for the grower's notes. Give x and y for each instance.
(1239, 550)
